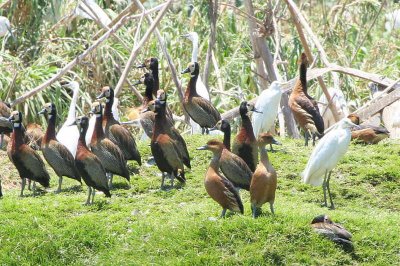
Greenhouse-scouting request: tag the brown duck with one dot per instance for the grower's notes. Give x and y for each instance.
(147, 118)
(89, 165)
(367, 134)
(264, 182)
(198, 108)
(110, 155)
(245, 143)
(115, 132)
(27, 161)
(55, 153)
(218, 187)
(304, 107)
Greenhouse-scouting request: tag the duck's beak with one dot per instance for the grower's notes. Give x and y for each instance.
(101, 95)
(274, 141)
(43, 111)
(137, 83)
(256, 111)
(212, 129)
(187, 70)
(141, 66)
(145, 110)
(74, 123)
(202, 148)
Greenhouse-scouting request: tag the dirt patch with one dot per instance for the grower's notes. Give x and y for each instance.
(8, 173)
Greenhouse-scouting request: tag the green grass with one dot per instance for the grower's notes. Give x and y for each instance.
(143, 225)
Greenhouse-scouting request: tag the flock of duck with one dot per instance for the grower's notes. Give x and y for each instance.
(94, 149)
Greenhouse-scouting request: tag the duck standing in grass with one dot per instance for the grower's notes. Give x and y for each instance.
(55, 153)
(109, 154)
(199, 109)
(89, 165)
(367, 134)
(264, 181)
(326, 155)
(323, 225)
(218, 187)
(27, 161)
(115, 132)
(304, 107)
(245, 143)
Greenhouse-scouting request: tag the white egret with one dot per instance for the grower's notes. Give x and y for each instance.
(329, 150)
(5, 26)
(338, 101)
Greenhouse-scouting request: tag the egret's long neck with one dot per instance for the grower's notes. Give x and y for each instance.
(72, 106)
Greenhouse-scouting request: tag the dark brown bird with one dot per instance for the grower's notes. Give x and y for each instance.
(89, 165)
(55, 153)
(165, 149)
(323, 225)
(264, 181)
(115, 132)
(304, 107)
(28, 163)
(152, 64)
(245, 143)
(367, 134)
(110, 155)
(225, 127)
(147, 118)
(218, 187)
(199, 109)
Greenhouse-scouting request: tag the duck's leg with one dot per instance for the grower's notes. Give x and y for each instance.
(2, 139)
(29, 184)
(223, 213)
(23, 183)
(324, 188)
(93, 193)
(162, 180)
(313, 138)
(172, 176)
(34, 188)
(254, 211)
(306, 136)
(88, 198)
(207, 131)
(332, 207)
(60, 179)
(109, 180)
(271, 206)
(202, 130)
(1, 192)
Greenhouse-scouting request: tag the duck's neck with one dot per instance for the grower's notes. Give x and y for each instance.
(227, 138)
(17, 137)
(148, 94)
(108, 109)
(154, 72)
(303, 76)
(247, 127)
(51, 128)
(98, 133)
(214, 164)
(191, 88)
(82, 139)
(160, 122)
(264, 159)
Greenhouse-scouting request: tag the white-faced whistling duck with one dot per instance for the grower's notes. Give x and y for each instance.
(115, 132)
(264, 181)
(89, 165)
(304, 107)
(55, 153)
(152, 65)
(110, 155)
(323, 225)
(198, 108)
(165, 149)
(172, 131)
(329, 150)
(224, 126)
(28, 163)
(147, 118)
(245, 143)
(367, 134)
(218, 187)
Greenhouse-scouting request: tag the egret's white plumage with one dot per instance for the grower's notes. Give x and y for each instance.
(84, 11)
(68, 134)
(325, 156)
(5, 26)
(338, 101)
(268, 104)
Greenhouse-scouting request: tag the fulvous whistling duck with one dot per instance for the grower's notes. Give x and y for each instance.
(264, 181)
(218, 187)
(55, 153)
(323, 225)
(28, 163)
(115, 132)
(34, 135)
(304, 107)
(224, 126)
(110, 155)
(245, 143)
(326, 155)
(89, 165)
(152, 64)
(198, 108)
(367, 134)
(165, 149)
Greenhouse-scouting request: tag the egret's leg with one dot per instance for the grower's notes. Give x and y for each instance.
(223, 213)
(324, 188)
(34, 188)
(60, 179)
(254, 210)
(88, 198)
(271, 206)
(93, 193)
(329, 191)
(23, 183)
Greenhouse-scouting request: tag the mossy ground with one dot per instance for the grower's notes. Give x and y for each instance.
(142, 225)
